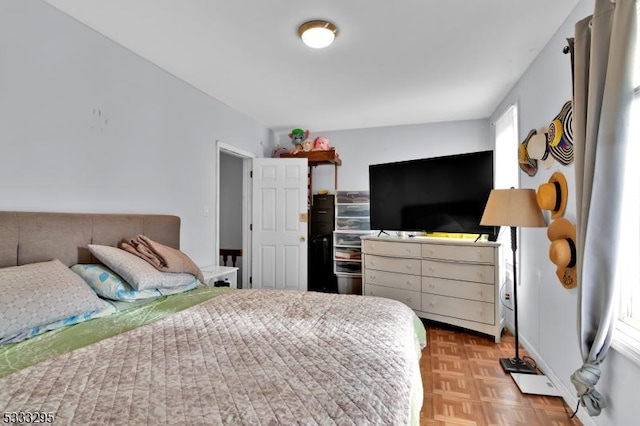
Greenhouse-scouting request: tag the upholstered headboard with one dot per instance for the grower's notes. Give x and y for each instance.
(27, 237)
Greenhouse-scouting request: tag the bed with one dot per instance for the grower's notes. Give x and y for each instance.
(208, 355)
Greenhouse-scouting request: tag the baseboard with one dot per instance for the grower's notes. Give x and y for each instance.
(569, 395)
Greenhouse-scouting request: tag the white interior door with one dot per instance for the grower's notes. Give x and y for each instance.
(279, 219)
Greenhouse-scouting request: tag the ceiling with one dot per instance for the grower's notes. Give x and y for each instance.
(394, 62)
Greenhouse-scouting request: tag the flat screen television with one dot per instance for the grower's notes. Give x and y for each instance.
(439, 194)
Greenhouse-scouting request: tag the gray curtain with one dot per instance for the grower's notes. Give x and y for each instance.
(603, 91)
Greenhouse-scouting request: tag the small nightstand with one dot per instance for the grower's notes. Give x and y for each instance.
(214, 273)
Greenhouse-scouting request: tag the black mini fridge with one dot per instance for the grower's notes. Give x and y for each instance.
(321, 276)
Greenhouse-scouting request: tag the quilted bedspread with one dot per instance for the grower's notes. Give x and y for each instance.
(245, 357)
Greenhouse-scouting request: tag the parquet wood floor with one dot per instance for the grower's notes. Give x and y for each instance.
(465, 385)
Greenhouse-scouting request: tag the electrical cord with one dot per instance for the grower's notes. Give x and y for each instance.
(570, 415)
(576, 411)
(531, 361)
(564, 404)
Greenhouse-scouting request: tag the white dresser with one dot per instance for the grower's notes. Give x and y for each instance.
(453, 281)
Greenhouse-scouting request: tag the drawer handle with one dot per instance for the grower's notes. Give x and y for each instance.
(409, 267)
(409, 299)
(431, 304)
(432, 286)
(431, 269)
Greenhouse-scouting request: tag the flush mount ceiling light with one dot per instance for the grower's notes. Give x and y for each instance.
(317, 34)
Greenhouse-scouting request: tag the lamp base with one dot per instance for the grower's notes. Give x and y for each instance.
(517, 365)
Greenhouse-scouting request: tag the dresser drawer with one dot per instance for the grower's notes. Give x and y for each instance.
(353, 223)
(391, 249)
(322, 215)
(462, 289)
(409, 298)
(324, 201)
(348, 267)
(346, 238)
(469, 310)
(459, 253)
(353, 210)
(352, 196)
(392, 264)
(458, 271)
(393, 279)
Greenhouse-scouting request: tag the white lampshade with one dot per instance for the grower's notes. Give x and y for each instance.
(512, 207)
(317, 34)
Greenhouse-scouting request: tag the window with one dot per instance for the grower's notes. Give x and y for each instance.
(506, 150)
(627, 337)
(506, 175)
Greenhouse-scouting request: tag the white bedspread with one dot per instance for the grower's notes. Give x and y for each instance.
(247, 357)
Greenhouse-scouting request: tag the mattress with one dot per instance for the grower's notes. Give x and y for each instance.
(214, 356)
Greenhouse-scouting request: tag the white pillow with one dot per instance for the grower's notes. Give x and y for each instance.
(41, 293)
(109, 285)
(139, 273)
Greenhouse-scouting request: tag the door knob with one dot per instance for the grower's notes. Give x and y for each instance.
(302, 239)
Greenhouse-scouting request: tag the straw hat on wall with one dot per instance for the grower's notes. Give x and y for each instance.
(560, 136)
(538, 149)
(553, 195)
(527, 164)
(562, 251)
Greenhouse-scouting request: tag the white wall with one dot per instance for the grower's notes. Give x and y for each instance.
(360, 148)
(547, 311)
(88, 126)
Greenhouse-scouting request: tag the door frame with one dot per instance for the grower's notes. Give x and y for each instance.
(247, 158)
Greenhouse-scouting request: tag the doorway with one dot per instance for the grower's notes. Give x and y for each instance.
(233, 206)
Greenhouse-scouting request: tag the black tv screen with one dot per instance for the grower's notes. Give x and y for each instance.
(440, 194)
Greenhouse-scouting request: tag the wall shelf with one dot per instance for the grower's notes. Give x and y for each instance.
(316, 158)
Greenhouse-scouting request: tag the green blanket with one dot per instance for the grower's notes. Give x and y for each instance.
(16, 356)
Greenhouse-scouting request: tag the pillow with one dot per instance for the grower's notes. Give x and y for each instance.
(140, 274)
(107, 309)
(110, 285)
(41, 293)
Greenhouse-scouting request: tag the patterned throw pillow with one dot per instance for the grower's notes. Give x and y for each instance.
(107, 309)
(110, 285)
(140, 274)
(42, 293)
